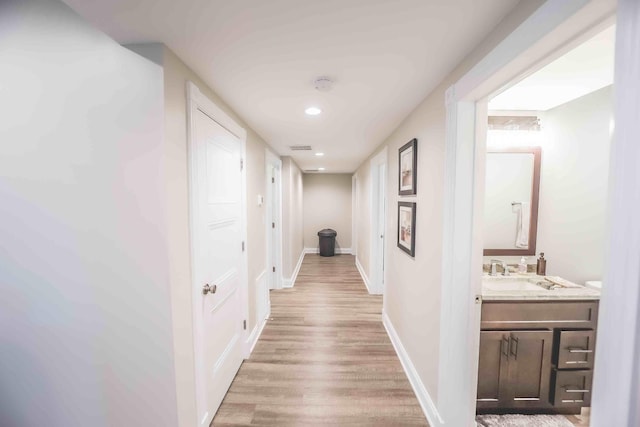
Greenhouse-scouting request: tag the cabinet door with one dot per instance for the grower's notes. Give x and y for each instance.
(493, 369)
(529, 369)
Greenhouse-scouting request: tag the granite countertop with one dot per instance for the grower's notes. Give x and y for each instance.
(524, 287)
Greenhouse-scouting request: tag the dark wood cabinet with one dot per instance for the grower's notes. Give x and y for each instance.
(514, 369)
(536, 357)
(529, 368)
(493, 369)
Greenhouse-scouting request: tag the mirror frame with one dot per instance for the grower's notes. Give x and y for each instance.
(535, 199)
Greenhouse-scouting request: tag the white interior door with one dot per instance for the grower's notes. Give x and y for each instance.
(218, 260)
(273, 167)
(382, 221)
(378, 195)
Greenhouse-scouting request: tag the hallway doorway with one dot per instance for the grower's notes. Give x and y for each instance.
(378, 238)
(217, 208)
(273, 211)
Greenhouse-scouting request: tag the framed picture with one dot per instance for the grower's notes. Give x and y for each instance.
(408, 158)
(407, 227)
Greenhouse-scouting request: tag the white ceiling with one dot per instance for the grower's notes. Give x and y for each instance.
(583, 70)
(262, 57)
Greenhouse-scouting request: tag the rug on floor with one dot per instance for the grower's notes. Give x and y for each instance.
(522, 421)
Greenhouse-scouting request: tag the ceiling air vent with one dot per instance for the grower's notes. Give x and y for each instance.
(300, 147)
(311, 170)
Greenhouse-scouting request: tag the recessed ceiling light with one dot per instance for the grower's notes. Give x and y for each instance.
(313, 111)
(319, 154)
(320, 169)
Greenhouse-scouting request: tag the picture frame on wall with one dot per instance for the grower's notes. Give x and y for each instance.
(407, 227)
(407, 168)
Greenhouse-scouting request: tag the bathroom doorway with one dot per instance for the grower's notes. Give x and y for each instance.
(467, 106)
(548, 144)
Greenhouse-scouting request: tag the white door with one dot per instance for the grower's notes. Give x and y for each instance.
(218, 260)
(273, 208)
(272, 235)
(382, 220)
(378, 192)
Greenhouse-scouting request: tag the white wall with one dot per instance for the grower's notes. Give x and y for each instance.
(327, 204)
(85, 313)
(292, 214)
(574, 186)
(576, 142)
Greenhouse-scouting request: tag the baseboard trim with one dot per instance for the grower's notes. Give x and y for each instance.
(339, 251)
(289, 283)
(427, 404)
(364, 276)
(254, 337)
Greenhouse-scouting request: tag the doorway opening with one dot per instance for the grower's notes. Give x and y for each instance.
(534, 42)
(273, 211)
(546, 163)
(378, 166)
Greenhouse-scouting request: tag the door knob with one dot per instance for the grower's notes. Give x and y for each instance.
(206, 289)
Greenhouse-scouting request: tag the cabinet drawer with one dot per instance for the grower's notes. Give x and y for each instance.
(539, 315)
(572, 388)
(576, 349)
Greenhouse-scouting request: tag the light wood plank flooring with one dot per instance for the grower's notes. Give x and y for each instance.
(582, 420)
(324, 358)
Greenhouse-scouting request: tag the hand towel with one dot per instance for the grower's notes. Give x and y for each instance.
(524, 221)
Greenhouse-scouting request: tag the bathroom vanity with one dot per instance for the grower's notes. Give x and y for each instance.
(537, 345)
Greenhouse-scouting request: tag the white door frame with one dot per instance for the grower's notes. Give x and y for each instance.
(197, 101)
(616, 400)
(274, 259)
(377, 244)
(535, 39)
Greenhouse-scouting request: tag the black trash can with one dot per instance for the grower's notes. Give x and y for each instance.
(327, 239)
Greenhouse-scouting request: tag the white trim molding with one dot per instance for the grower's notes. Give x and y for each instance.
(364, 276)
(263, 311)
(426, 402)
(290, 282)
(251, 342)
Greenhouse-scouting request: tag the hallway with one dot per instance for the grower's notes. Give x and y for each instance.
(324, 358)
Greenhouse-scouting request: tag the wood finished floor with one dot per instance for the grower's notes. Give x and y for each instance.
(581, 420)
(324, 358)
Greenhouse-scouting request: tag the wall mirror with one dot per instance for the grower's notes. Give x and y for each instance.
(512, 190)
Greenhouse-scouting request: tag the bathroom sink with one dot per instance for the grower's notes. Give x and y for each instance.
(532, 287)
(506, 284)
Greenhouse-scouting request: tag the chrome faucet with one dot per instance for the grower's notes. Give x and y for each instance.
(494, 269)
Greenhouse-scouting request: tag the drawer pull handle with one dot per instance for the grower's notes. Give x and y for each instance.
(579, 350)
(505, 346)
(575, 390)
(576, 362)
(513, 352)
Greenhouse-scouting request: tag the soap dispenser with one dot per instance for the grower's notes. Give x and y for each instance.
(541, 268)
(522, 266)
